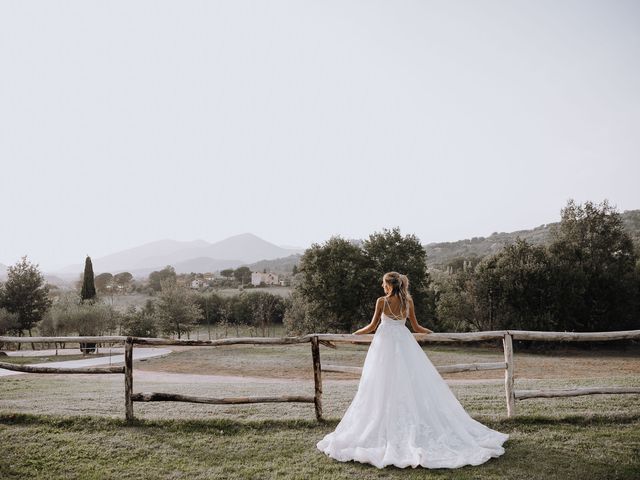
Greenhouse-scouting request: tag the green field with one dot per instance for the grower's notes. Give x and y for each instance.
(71, 426)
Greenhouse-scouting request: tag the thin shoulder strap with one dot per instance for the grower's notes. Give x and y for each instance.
(393, 315)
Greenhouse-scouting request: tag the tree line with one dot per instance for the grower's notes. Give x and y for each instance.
(587, 278)
(26, 303)
(177, 310)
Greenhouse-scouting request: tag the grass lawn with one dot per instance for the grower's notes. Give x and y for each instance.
(71, 426)
(570, 447)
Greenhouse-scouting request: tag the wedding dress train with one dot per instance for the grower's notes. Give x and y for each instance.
(404, 413)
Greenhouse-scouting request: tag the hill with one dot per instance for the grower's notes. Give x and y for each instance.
(440, 254)
(277, 265)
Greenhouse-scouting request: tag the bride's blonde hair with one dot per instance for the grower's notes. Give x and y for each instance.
(399, 286)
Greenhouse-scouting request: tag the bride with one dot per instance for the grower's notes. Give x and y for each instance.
(404, 414)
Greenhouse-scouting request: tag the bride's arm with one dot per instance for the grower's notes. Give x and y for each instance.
(414, 321)
(374, 321)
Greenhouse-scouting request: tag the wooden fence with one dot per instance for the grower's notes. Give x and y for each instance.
(329, 340)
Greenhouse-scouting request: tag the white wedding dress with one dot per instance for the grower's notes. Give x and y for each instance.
(404, 414)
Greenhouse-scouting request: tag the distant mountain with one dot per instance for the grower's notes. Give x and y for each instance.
(440, 254)
(258, 254)
(135, 258)
(185, 257)
(245, 248)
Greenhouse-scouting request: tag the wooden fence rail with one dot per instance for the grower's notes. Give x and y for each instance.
(329, 340)
(37, 369)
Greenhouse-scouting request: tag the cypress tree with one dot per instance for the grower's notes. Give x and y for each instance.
(88, 291)
(88, 294)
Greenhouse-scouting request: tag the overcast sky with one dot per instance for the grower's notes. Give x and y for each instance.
(124, 122)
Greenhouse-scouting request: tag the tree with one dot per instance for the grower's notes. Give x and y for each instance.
(512, 289)
(177, 310)
(227, 273)
(298, 318)
(88, 291)
(596, 280)
(525, 274)
(242, 274)
(167, 274)
(9, 321)
(457, 306)
(103, 282)
(90, 318)
(335, 285)
(266, 309)
(239, 310)
(60, 319)
(140, 322)
(88, 295)
(25, 294)
(390, 251)
(123, 280)
(587, 279)
(214, 308)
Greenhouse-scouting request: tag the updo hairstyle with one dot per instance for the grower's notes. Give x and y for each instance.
(399, 286)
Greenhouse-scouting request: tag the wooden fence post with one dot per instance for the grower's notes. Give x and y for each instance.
(317, 376)
(128, 378)
(507, 343)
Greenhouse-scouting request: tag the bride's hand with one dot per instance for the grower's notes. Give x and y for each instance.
(361, 331)
(425, 330)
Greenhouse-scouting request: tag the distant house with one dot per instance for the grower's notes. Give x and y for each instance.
(197, 284)
(267, 278)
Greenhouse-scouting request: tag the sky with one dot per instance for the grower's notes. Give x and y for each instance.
(126, 122)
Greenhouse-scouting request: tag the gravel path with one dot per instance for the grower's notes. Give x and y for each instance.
(62, 352)
(117, 358)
